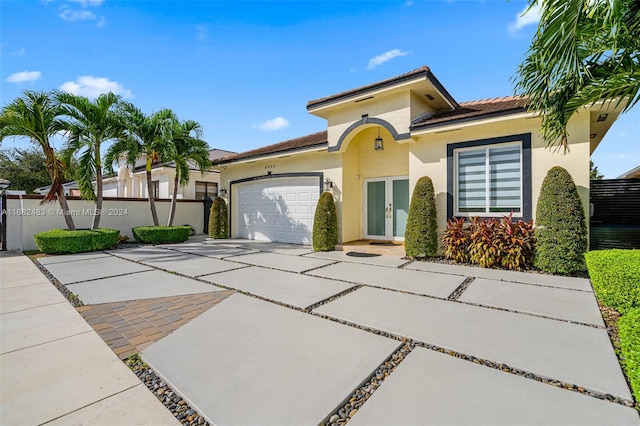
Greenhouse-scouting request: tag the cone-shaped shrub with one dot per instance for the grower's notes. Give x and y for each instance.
(325, 224)
(561, 229)
(218, 219)
(420, 235)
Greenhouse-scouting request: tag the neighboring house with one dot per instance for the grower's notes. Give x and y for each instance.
(70, 189)
(485, 158)
(129, 183)
(631, 174)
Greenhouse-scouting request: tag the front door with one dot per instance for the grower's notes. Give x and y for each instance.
(386, 208)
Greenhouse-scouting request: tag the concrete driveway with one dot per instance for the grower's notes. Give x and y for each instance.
(308, 337)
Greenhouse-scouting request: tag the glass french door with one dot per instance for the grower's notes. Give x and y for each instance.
(386, 208)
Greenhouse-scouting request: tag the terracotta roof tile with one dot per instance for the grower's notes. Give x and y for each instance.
(422, 70)
(473, 110)
(315, 139)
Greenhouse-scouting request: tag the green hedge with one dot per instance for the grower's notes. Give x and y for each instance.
(161, 234)
(615, 275)
(420, 236)
(325, 224)
(219, 219)
(629, 333)
(57, 241)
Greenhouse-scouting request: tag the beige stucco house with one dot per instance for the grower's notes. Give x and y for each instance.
(485, 158)
(132, 183)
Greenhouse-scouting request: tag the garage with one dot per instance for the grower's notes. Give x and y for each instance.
(279, 209)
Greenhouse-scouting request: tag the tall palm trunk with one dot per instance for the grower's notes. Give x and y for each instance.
(66, 213)
(98, 210)
(152, 203)
(174, 198)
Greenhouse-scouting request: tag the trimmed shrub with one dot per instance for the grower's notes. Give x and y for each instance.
(615, 275)
(629, 333)
(219, 219)
(490, 243)
(161, 234)
(325, 224)
(57, 241)
(561, 229)
(420, 235)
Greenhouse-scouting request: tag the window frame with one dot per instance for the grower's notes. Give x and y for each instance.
(524, 140)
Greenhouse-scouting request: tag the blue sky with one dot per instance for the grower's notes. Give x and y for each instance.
(245, 70)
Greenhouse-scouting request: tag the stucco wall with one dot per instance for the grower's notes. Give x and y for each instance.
(27, 217)
(137, 184)
(428, 156)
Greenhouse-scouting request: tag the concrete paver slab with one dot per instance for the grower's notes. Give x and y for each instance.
(281, 261)
(572, 353)
(48, 260)
(72, 272)
(47, 381)
(342, 256)
(14, 299)
(193, 265)
(431, 284)
(248, 361)
(143, 285)
(144, 253)
(43, 324)
(18, 270)
(286, 287)
(499, 274)
(554, 302)
(135, 406)
(450, 391)
(202, 249)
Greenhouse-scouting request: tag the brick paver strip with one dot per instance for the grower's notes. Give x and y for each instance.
(129, 326)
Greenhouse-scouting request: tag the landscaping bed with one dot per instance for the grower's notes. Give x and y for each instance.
(161, 234)
(61, 241)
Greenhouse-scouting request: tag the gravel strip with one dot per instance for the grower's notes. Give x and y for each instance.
(461, 288)
(345, 412)
(173, 402)
(71, 297)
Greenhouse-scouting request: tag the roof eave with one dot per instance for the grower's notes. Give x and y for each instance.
(468, 121)
(292, 151)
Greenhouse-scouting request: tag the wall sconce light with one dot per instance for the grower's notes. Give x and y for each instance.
(328, 185)
(222, 192)
(378, 144)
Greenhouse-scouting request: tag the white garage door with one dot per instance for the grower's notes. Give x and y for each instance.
(276, 209)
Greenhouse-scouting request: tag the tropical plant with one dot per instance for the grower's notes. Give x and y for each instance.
(35, 115)
(219, 219)
(456, 239)
(583, 52)
(561, 229)
(187, 150)
(144, 136)
(420, 236)
(88, 125)
(594, 173)
(325, 224)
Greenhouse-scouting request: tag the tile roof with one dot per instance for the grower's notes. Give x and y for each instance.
(216, 154)
(313, 140)
(423, 70)
(473, 110)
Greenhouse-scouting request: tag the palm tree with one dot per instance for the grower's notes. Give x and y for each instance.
(35, 115)
(145, 136)
(584, 51)
(187, 149)
(88, 125)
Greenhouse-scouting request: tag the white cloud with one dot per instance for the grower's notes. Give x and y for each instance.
(525, 18)
(24, 76)
(92, 87)
(386, 56)
(87, 3)
(71, 15)
(273, 124)
(19, 52)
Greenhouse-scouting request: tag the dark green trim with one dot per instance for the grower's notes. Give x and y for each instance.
(366, 120)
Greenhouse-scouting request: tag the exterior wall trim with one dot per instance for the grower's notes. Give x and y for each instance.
(527, 195)
(319, 175)
(366, 120)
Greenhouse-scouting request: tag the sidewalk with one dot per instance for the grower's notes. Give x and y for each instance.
(54, 368)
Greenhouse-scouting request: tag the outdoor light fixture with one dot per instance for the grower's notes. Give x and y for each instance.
(222, 192)
(602, 117)
(378, 144)
(4, 184)
(328, 185)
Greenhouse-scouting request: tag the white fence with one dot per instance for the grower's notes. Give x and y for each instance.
(26, 216)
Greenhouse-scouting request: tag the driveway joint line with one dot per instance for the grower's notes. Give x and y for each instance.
(319, 267)
(409, 262)
(330, 299)
(219, 272)
(33, 307)
(102, 278)
(455, 295)
(48, 341)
